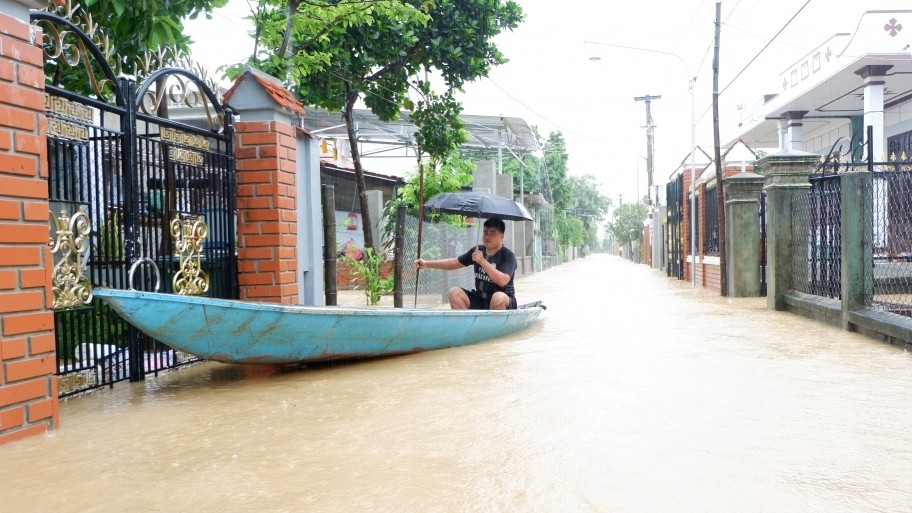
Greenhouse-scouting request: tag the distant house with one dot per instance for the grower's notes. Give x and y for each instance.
(349, 225)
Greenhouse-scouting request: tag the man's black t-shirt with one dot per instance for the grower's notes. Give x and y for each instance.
(504, 261)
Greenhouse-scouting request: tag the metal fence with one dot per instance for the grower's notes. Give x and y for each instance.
(711, 222)
(439, 240)
(674, 226)
(892, 240)
(816, 255)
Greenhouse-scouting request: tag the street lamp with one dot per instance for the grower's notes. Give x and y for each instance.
(691, 81)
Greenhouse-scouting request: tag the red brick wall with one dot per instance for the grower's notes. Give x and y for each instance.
(685, 224)
(267, 228)
(28, 387)
(346, 279)
(708, 274)
(647, 246)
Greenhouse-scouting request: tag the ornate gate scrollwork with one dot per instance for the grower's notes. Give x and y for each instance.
(71, 287)
(188, 235)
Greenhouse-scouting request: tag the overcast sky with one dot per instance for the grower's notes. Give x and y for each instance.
(569, 72)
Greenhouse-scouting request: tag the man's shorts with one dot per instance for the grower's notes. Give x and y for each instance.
(477, 301)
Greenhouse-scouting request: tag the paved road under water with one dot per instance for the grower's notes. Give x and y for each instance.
(634, 393)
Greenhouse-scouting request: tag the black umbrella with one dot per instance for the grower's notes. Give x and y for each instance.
(477, 204)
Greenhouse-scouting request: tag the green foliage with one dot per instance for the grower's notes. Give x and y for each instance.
(110, 244)
(569, 231)
(578, 204)
(136, 38)
(135, 26)
(367, 270)
(761, 154)
(557, 189)
(332, 53)
(628, 222)
(96, 322)
(440, 129)
(449, 173)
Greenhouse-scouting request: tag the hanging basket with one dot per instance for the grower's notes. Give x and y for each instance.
(351, 222)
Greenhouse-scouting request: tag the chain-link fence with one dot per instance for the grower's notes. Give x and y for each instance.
(816, 257)
(439, 240)
(892, 241)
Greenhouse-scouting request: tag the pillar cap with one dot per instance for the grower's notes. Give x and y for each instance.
(785, 158)
(743, 176)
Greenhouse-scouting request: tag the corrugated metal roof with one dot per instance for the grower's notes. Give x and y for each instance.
(486, 133)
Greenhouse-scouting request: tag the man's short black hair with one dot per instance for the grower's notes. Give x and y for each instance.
(496, 222)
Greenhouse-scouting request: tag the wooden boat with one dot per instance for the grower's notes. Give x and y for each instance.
(231, 331)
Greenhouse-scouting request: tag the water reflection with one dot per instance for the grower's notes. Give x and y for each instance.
(634, 393)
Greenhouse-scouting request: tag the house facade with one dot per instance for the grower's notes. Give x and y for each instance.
(824, 100)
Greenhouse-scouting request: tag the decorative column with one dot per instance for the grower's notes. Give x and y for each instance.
(783, 135)
(786, 177)
(794, 125)
(28, 387)
(874, 85)
(742, 233)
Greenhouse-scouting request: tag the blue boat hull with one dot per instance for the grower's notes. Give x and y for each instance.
(231, 331)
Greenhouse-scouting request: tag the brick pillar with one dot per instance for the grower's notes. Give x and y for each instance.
(28, 387)
(686, 214)
(267, 227)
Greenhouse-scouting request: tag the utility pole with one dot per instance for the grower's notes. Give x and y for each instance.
(723, 242)
(650, 129)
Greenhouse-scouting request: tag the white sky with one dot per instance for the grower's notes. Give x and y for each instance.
(551, 80)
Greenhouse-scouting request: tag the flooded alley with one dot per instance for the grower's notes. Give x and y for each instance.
(632, 393)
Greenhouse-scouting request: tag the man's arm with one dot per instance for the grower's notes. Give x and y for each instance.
(500, 278)
(446, 264)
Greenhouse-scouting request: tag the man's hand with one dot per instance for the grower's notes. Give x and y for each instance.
(478, 256)
(420, 264)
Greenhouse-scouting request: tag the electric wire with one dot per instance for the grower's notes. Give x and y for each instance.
(765, 46)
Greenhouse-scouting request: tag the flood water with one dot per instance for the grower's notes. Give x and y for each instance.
(633, 393)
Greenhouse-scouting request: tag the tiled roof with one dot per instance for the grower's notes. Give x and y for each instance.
(273, 88)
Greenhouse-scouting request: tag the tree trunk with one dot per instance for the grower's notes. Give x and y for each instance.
(348, 115)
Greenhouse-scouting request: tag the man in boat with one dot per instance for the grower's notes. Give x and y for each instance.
(494, 266)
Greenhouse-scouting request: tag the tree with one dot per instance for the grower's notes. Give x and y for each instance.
(569, 230)
(136, 26)
(136, 36)
(588, 204)
(556, 188)
(578, 205)
(628, 220)
(333, 53)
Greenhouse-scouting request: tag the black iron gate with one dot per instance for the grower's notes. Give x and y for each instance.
(763, 266)
(675, 197)
(123, 163)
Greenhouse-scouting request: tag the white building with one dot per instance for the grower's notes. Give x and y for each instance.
(828, 96)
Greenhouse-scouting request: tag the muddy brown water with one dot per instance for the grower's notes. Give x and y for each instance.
(633, 393)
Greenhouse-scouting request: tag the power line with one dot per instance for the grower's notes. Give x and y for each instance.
(766, 46)
(543, 118)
